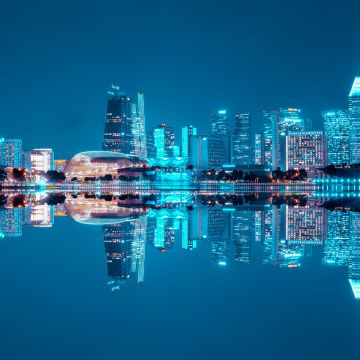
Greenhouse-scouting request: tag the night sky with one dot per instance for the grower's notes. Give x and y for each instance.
(58, 59)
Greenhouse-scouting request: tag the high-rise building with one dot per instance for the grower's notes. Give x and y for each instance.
(199, 151)
(259, 148)
(186, 133)
(118, 133)
(164, 141)
(267, 140)
(39, 160)
(283, 122)
(242, 229)
(138, 115)
(242, 154)
(305, 150)
(354, 262)
(220, 140)
(11, 221)
(354, 111)
(337, 131)
(11, 153)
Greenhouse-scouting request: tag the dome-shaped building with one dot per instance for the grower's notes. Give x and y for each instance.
(101, 163)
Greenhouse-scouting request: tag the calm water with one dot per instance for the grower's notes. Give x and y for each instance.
(219, 282)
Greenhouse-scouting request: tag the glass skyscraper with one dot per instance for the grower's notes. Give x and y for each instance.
(11, 153)
(219, 141)
(242, 140)
(164, 141)
(337, 131)
(138, 114)
(259, 148)
(118, 133)
(186, 132)
(354, 111)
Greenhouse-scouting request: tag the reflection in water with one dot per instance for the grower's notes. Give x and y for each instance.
(285, 234)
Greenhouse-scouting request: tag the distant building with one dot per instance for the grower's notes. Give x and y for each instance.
(267, 140)
(39, 160)
(220, 123)
(242, 154)
(283, 122)
(139, 133)
(259, 148)
(306, 150)
(242, 230)
(354, 262)
(119, 123)
(11, 222)
(337, 126)
(354, 111)
(199, 151)
(11, 153)
(220, 150)
(164, 141)
(39, 215)
(60, 165)
(186, 133)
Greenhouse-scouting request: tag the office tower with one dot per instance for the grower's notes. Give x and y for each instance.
(11, 153)
(337, 126)
(354, 111)
(259, 148)
(186, 133)
(60, 165)
(243, 224)
(336, 248)
(220, 140)
(267, 140)
(306, 150)
(39, 160)
(11, 221)
(139, 133)
(242, 154)
(188, 242)
(164, 233)
(118, 132)
(199, 151)
(176, 151)
(305, 225)
(150, 145)
(164, 141)
(39, 215)
(354, 261)
(283, 122)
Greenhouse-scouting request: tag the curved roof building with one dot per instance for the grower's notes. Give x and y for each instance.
(100, 163)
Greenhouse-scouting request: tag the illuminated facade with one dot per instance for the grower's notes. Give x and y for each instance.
(101, 163)
(11, 153)
(11, 222)
(267, 139)
(306, 150)
(138, 121)
(242, 230)
(40, 160)
(354, 261)
(39, 215)
(163, 141)
(60, 165)
(186, 133)
(242, 154)
(199, 151)
(354, 112)
(220, 148)
(337, 131)
(283, 122)
(259, 148)
(118, 132)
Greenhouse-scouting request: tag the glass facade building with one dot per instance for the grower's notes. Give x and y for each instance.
(242, 154)
(11, 153)
(354, 111)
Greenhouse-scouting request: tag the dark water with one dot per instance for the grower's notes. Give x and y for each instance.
(215, 282)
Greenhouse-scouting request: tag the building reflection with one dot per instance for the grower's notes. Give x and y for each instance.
(281, 236)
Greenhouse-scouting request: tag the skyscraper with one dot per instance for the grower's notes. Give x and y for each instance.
(138, 115)
(354, 111)
(259, 148)
(118, 133)
(337, 131)
(164, 141)
(242, 139)
(267, 139)
(354, 261)
(11, 153)
(283, 122)
(199, 151)
(220, 140)
(242, 228)
(306, 150)
(186, 133)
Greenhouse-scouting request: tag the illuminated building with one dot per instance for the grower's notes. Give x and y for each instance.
(219, 142)
(11, 222)
(199, 151)
(40, 160)
(283, 122)
(354, 261)
(39, 215)
(242, 226)
(60, 165)
(176, 151)
(306, 150)
(118, 132)
(305, 225)
(267, 140)
(337, 131)
(259, 148)
(101, 163)
(11, 153)
(187, 241)
(242, 154)
(164, 233)
(164, 141)
(139, 133)
(336, 248)
(186, 133)
(354, 112)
